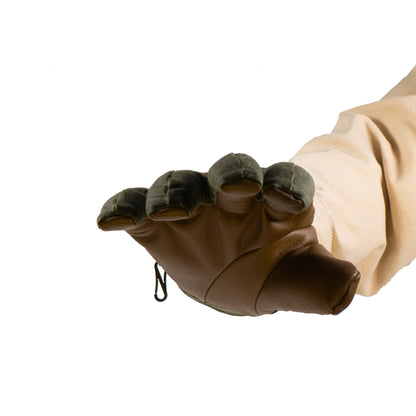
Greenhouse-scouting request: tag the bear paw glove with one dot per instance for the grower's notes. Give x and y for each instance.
(238, 239)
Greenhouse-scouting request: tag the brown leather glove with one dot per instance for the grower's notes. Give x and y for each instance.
(238, 239)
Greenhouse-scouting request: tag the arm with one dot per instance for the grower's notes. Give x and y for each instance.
(365, 173)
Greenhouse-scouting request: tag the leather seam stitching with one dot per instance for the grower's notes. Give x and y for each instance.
(224, 269)
(293, 253)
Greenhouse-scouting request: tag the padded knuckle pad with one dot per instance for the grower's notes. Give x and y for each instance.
(178, 191)
(235, 180)
(292, 179)
(126, 207)
(233, 168)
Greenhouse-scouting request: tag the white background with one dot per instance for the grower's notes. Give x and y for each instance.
(98, 96)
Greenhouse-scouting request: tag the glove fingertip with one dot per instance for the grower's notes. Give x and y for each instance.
(123, 210)
(115, 223)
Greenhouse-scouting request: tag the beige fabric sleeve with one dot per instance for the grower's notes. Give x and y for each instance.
(365, 177)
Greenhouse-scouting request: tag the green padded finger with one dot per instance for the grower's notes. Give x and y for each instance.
(292, 179)
(183, 189)
(233, 168)
(129, 204)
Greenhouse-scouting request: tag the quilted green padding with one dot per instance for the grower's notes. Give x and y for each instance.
(293, 179)
(129, 203)
(234, 167)
(188, 189)
(178, 189)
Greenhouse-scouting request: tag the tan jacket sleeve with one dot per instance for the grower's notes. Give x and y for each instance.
(365, 177)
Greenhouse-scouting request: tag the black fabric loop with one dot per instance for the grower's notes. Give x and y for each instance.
(162, 281)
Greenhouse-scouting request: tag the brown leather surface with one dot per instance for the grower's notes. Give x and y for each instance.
(225, 259)
(309, 280)
(245, 251)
